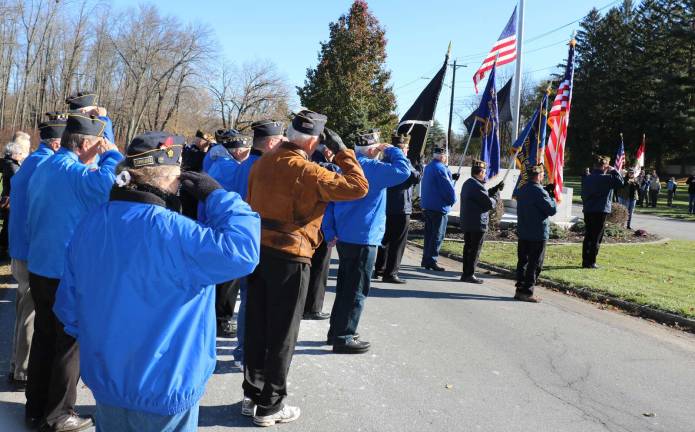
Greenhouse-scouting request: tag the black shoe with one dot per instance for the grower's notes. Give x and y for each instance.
(316, 316)
(525, 297)
(376, 274)
(32, 422)
(70, 423)
(352, 346)
(226, 328)
(471, 279)
(393, 280)
(356, 336)
(590, 266)
(434, 267)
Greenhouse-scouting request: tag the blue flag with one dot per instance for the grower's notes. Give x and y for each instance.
(488, 118)
(531, 143)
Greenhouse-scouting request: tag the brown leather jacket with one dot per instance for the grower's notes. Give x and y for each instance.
(291, 193)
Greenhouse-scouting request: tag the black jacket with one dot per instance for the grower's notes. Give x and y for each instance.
(476, 204)
(8, 167)
(399, 199)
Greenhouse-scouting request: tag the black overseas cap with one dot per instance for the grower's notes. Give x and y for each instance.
(153, 149)
(85, 125)
(266, 128)
(438, 151)
(536, 169)
(204, 135)
(53, 128)
(309, 122)
(400, 139)
(81, 100)
(479, 164)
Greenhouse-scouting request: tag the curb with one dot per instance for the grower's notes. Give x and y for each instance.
(643, 311)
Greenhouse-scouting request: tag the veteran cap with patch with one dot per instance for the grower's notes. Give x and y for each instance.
(400, 140)
(266, 128)
(368, 138)
(438, 151)
(602, 160)
(537, 169)
(479, 164)
(85, 125)
(309, 122)
(204, 135)
(231, 139)
(81, 100)
(154, 148)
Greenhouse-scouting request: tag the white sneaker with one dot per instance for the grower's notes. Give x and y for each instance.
(248, 408)
(285, 415)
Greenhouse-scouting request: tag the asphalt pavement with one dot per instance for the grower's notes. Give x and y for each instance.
(665, 227)
(449, 356)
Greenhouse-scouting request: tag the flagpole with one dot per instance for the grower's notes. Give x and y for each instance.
(519, 64)
(465, 150)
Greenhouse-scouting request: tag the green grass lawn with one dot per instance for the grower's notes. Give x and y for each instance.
(658, 275)
(678, 211)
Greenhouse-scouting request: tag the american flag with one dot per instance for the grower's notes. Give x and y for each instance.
(620, 156)
(505, 48)
(558, 120)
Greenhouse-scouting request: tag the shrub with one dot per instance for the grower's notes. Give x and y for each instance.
(578, 227)
(557, 232)
(616, 231)
(618, 215)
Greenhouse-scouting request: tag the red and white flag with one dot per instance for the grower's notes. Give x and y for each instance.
(559, 120)
(639, 158)
(504, 51)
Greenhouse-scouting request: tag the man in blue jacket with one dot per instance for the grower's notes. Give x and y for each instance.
(62, 190)
(534, 207)
(145, 321)
(231, 149)
(358, 227)
(399, 207)
(476, 203)
(50, 133)
(597, 194)
(437, 196)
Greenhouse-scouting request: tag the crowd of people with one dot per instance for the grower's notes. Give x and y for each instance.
(129, 264)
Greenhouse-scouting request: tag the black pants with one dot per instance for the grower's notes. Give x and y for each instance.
(225, 298)
(530, 256)
(390, 254)
(473, 243)
(274, 306)
(4, 233)
(318, 278)
(54, 361)
(653, 197)
(593, 236)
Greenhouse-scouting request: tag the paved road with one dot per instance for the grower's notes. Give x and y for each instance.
(665, 227)
(562, 365)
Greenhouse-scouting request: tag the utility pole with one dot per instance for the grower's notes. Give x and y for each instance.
(517, 76)
(451, 106)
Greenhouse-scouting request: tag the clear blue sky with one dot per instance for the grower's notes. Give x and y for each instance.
(418, 32)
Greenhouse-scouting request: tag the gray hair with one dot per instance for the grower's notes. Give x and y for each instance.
(149, 175)
(16, 148)
(299, 138)
(73, 141)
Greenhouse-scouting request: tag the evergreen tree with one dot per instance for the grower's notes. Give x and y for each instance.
(350, 84)
(436, 137)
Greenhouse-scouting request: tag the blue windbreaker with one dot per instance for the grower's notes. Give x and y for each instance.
(363, 221)
(216, 154)
(437, 188)
(239, 180)
(19, 241)
(138, 295)
(108, 129)
(61, 191)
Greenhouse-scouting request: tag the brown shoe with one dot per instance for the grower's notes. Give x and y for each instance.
(530, 298)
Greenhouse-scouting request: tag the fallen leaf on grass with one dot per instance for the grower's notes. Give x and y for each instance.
(449, 386)
(649, 414)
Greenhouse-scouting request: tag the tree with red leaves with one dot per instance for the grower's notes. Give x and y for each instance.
(350, 84)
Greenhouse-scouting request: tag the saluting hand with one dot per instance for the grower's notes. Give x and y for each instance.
(332, 141)
(200, 185)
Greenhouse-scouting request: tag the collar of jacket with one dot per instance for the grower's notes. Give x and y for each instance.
(71, 154)
(170, 202)
(294, 148)
(256, 152)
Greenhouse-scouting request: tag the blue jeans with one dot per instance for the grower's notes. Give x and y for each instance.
(238, 351)
(435, 229)
(691, 204)
(630, 206)
(114, 419)
(351, 290)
